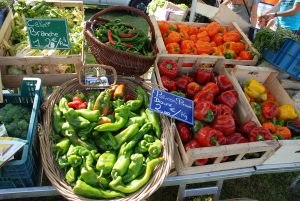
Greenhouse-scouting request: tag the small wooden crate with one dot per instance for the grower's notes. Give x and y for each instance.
(288, 151)
(184, 160)
(248, 44)
(5, 31)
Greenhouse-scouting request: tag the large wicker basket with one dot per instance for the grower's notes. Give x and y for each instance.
(56, 176)
(125, 63)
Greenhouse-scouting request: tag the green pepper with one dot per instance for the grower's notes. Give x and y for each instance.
(134, 105)
(63, 162)
(102, 102)
(89, 176)
(71, 175)
(121, 165)
(106, 162)
(75, 120)
(103, 182)
(91, 115)
(136, 120)
(126, 134)
(110, 140)
(117, 103)
(91, 103)
(111, 117)
(134, 168)
(89, 160)
(142, 147)
(155, 149)
(74, 160)
(137, 183)
(67, 129)
(85, 132)
(82, 151)
(197, 126)
(73, 150)
(63, 105)
(83, 189)
(143, 114)
(61, 147)
(154, 118)
(121, 115)
(78, 142)
(101, 142)
(57, 119)
(145, 96)
(95, 154)
(99, 100)
(132, 114)
(135, 139)
(149, 138)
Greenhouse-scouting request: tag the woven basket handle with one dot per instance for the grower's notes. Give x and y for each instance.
(100, 66)
(128, 8)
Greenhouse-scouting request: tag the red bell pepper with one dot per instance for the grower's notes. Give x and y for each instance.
(168, 83)
(76, 98)
(204, 75)
(203, 96)
(184, 131)
(224, 123)
(192, 144)
(203, 111)
(270, 110)
(182, 82)
(259, 134)
(201, 162)
(236, 138)
(208, 137)
(223, 82)
(228, 98)
(192, 88)
(77, 103)
(222, 109)
(247, 127)
(211, 87)
(169, 68)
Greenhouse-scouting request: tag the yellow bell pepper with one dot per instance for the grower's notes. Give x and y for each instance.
(256, 90)
(287, 112)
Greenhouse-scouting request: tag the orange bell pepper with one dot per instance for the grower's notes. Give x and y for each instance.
(188, 47)
(218, 39)
(212, 29)
(270, 126)
(183, 27)
(173, 48)
(204, 47)
(184, 35)
(193, 37)
(284, 132)
(200, 29)
(222, 29)
(203, 36)
(216, 51)
(231, 36)
(172, 37)
(192, 30)
(163, 27)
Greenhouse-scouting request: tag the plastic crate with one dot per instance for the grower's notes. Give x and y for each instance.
(286, 59)
(24, 172)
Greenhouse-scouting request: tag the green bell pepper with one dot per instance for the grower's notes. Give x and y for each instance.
(85, 132)
(91, 103)
(83, 189)
(75, 120)
(63, 105)
(57, 119)
(91, 115)
(67, 129)
(106, 162)
(103, 182)
(134, 168)
(121, 115)
(145, 96)
(155, 148)
(136, 184)
(63, 162)
(78, 142)
(142, 147)
(136, 120)
(74, 160)
(61, 147)
(149, 138)
(154, 118)
(117, 103)
(72, 175)
(89, 176)
(126, 134)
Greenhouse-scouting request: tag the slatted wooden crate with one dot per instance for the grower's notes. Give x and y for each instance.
(289, 150)
(248, 44)
(185, 159)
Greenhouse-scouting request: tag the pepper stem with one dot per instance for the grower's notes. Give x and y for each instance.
(260, 138)
(214, 141)
(100, 175)
(169, 66)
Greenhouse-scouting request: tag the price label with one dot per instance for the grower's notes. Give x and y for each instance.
(172, 105)
(48, 33)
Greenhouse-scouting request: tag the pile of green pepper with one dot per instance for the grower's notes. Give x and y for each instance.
(111, 147)
(123, 37)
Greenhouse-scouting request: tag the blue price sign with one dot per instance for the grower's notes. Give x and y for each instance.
(172, 105)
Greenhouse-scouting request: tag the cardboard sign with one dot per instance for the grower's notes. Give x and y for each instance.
(48, 33)
(172, 105)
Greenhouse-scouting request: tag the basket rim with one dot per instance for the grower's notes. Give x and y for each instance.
(53, 173)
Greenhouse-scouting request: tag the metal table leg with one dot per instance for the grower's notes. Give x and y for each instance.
(219, 185)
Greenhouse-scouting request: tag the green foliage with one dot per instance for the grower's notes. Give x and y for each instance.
(15, 119)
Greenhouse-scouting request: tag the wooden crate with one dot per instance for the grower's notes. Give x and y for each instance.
(184, 160)
(248, 44)
(51, 79)
(288, 151)
(5, 31)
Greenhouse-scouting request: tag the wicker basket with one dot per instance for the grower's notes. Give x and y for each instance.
(125, 63)
(56, 176)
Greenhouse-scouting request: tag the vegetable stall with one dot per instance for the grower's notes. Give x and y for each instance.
(99, 132)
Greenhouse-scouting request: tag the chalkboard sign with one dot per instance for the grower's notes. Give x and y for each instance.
(172, 105)
(48, 33)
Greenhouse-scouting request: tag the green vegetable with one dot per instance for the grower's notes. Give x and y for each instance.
(75, 120)
(72, 175)
(57, 119)
(106, 162)
(126, 134)
(155, 149)
(154, 118)
(61, 147)
(91, 115)
(134, 168)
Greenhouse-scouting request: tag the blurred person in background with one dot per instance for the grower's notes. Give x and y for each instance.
(287, 14)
